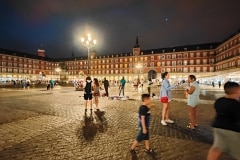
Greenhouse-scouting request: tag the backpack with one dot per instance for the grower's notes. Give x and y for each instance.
(88, 88)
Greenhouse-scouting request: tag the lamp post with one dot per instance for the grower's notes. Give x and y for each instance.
(138, 67)
(89, 43)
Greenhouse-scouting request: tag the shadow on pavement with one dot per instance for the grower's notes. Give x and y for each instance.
(89, 128)
(92, 125)
(200, 134)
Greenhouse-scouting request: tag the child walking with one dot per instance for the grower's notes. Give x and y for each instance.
(144, 122)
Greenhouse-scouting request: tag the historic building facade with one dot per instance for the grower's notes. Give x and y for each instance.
(204, 60)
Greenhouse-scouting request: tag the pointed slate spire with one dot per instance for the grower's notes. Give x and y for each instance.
(136, 45)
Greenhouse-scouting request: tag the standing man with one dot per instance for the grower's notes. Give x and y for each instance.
(122, 85)
(106, 86)
(219, 84)
(149, 86)
(88, 88)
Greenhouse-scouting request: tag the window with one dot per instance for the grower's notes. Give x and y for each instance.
(163, 57)
(205, 61)
(152, 64)
(191, 55)
(3, 69)
(10, 70)
(179, 56)
(198, 69)
(191, 69)
(185, 69)
(204, 69)
(198, 61)
(185, 62)
(174, 63)
(204, 54)
(3, 63)
(152, 58)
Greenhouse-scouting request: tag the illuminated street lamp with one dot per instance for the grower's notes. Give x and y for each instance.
(139, 66)
(89, 43)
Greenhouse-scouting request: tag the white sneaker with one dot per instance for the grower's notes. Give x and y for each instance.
(163, 123)
(169, 121)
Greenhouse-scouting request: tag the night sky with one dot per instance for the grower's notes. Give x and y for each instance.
(59, 24)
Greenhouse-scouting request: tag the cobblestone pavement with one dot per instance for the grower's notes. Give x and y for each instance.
(39, 124)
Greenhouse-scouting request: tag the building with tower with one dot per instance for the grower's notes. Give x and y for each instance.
(211, 61)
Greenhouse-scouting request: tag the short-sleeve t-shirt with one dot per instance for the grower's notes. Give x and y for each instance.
(228, 114)
(144, 111)
(197, 88)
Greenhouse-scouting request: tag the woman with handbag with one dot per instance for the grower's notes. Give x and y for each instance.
(96, 92)
(165, 98)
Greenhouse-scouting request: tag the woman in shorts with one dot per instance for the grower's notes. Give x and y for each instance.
(193, 100)
(166, 95)
(96, 91)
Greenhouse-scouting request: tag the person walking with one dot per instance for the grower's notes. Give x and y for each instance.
(193, 100)
(28, 83)
(96, 92)
(226, 125)
(149, 85)
(219, 84)
(24, 84)
(106, 86)
(88, 93)
(165, 97)
(51, 84)
(213, 84)
(144, 123)
(122, 86)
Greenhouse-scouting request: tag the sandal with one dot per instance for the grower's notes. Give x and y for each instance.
(196, 125)
(189, 126)
(133, 151)
(149, 151)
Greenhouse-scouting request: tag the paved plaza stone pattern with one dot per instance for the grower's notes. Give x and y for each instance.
(40, 124)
